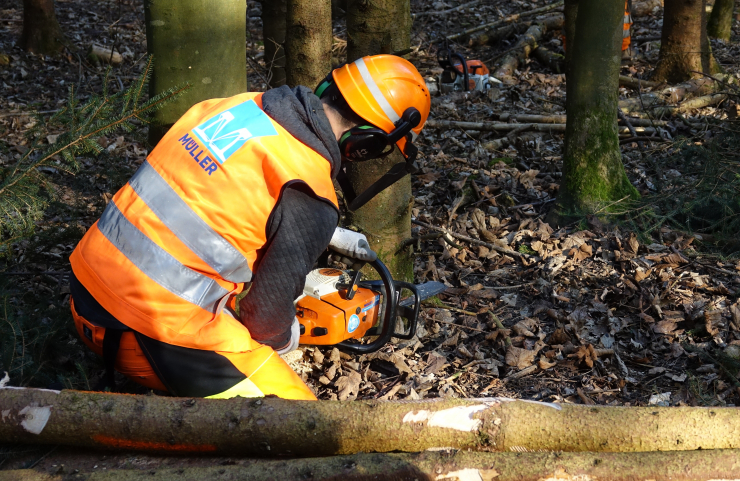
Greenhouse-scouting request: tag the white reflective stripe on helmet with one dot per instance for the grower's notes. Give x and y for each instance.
(375, 91)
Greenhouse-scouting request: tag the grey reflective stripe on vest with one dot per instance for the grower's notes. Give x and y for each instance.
(375, 91)
(193, 231)
(157, 264)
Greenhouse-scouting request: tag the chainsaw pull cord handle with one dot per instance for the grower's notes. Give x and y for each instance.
(464, 65)
(389, 314)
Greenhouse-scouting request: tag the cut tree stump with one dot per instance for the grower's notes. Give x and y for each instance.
(448, 465)
(277, 427)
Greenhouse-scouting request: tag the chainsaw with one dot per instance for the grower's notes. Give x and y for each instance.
(337, 308)
(460, 75)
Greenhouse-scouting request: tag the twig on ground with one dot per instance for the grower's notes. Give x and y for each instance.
(471, 240)
(509, 19)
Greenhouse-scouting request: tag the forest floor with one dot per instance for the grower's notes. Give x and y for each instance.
(631, 309)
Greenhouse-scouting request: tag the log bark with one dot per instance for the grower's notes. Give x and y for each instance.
(684, 45)
(41, 31)
(276, 427)
(719, 25)
(374, 27)
(449, 465)
(274, 14)
(308, 42)
(181, 35)
(554, 61)
(593, 174)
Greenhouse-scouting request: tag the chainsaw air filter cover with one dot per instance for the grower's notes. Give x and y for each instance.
(325, 313)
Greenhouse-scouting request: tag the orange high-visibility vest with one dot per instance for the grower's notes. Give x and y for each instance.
(181, 237)
(626, 26)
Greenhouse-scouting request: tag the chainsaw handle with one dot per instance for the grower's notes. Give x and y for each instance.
(389, 314)
(404, 311)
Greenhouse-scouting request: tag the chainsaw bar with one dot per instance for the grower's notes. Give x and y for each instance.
(426, 290)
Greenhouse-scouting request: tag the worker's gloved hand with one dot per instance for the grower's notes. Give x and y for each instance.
(352, 244)
(295, 334)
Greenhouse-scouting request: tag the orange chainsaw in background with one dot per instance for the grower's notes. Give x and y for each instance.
(337, 308)
(461, 75)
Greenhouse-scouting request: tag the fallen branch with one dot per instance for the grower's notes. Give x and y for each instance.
(494, 35)
(494, 247)
(436, 465)
(277, 427)
(561, 119)
(659, 101)
(445, 12)
(507, 127)
(503, 21)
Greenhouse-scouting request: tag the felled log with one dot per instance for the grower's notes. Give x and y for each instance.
(646, 7)
(510, 19)
(549, 59)
(448, 465)
(277, 427)
(525, 44)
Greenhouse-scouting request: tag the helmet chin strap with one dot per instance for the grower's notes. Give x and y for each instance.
(353, 201)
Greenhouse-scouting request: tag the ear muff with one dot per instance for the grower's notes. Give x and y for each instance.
(366, 142)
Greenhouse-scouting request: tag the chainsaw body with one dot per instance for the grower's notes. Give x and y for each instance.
(460, 75)
(338, 309)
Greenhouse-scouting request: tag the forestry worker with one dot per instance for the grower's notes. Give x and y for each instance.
(239, 191)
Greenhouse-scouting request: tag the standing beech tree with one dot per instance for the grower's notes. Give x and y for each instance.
(308, 42)
(199, 43)
(375, 27)
(684, 46)
(274, 14)
(41, 31)
(593, 174)
(719, 24)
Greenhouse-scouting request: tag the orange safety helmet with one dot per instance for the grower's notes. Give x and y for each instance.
(380, 89)
(390, 94)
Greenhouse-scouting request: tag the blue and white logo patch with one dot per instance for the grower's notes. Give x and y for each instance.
(354, 323)
(227, 132)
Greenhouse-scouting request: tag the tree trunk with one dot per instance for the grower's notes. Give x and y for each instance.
(41, 31)
(199, 43)
(277, 427)
(570, 11)
(375, 27)
(308, 42)
(274, 14)
(719, 25)
(684, 47)
(593, 174)
(428, 466)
